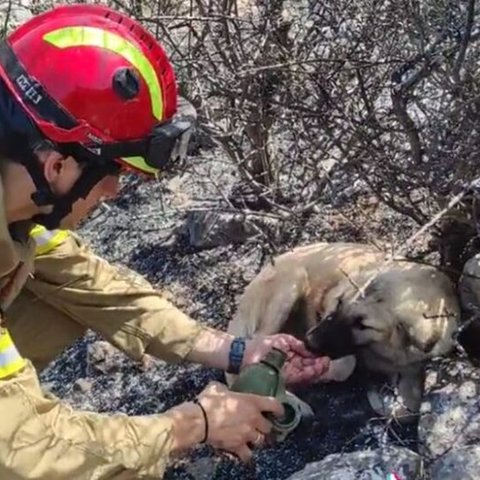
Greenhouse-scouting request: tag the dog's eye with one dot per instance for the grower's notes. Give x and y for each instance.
(358, 322)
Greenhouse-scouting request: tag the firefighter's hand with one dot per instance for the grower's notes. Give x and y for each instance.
(235, 420)
(301, 366)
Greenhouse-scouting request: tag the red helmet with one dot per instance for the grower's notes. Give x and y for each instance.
(90, 77)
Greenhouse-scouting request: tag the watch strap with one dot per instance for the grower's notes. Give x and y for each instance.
(236, 354)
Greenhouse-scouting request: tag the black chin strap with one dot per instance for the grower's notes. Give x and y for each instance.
(43, 195)
(92, 173)
(62, 206)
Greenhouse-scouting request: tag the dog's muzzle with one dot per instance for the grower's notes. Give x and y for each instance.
(332, 337)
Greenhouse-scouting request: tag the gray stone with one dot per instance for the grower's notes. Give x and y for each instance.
(450, 412)
(83, 385)
(206, 229)
(203, 468)
(459, 464)
(103, 356)
(365, 465)
(469, 291)
(179, 197)
(469, 284)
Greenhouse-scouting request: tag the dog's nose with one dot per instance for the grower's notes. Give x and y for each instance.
(319, 338)
(313, 339)
(309, 342)
(332, 338)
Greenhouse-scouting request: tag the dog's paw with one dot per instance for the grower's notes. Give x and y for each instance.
(385, 402)
(339, 370)
(398, 399)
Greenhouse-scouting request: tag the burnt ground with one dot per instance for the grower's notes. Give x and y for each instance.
(137, 231)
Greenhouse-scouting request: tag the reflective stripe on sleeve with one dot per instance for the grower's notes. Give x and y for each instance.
(11, 361)
(47, 240)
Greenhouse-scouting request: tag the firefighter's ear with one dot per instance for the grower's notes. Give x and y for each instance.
(60, 172)
(53, 164)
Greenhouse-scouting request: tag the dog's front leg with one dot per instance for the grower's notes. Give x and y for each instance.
(410, 391)
(400, 397)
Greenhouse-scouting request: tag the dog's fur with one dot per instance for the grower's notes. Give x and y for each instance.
(407, 314)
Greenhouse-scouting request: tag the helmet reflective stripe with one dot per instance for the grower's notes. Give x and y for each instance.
(11, 361)
(97, 37)
(47, 240)
(139, 163)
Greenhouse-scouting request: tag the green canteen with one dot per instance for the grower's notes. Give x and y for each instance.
(264, 378)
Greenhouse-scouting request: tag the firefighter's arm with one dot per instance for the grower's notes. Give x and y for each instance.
(126, 310)
(113, 301)
(43, 438)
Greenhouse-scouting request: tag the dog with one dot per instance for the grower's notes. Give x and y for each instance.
(345, 301)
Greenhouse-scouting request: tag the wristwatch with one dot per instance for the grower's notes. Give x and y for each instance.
(235, 356)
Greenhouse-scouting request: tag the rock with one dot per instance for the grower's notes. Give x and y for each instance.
(83, 385)
(469, 337)
(469, 290)
(179, 197)
(459, 464)
(365, 465)
(202, 469)
(450, 412)
(469, 284)
(103, 356)
(213, 229)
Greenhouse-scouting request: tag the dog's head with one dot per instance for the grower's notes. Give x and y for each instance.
(388, 317)
(350, 326)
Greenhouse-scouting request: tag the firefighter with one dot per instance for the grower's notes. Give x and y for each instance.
(86, 93)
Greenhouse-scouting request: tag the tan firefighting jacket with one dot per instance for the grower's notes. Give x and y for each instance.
(72, 289)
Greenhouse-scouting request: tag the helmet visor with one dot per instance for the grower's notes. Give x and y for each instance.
(165, 149)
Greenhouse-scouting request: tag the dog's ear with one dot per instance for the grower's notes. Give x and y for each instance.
(409, 338)
(334, 302)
